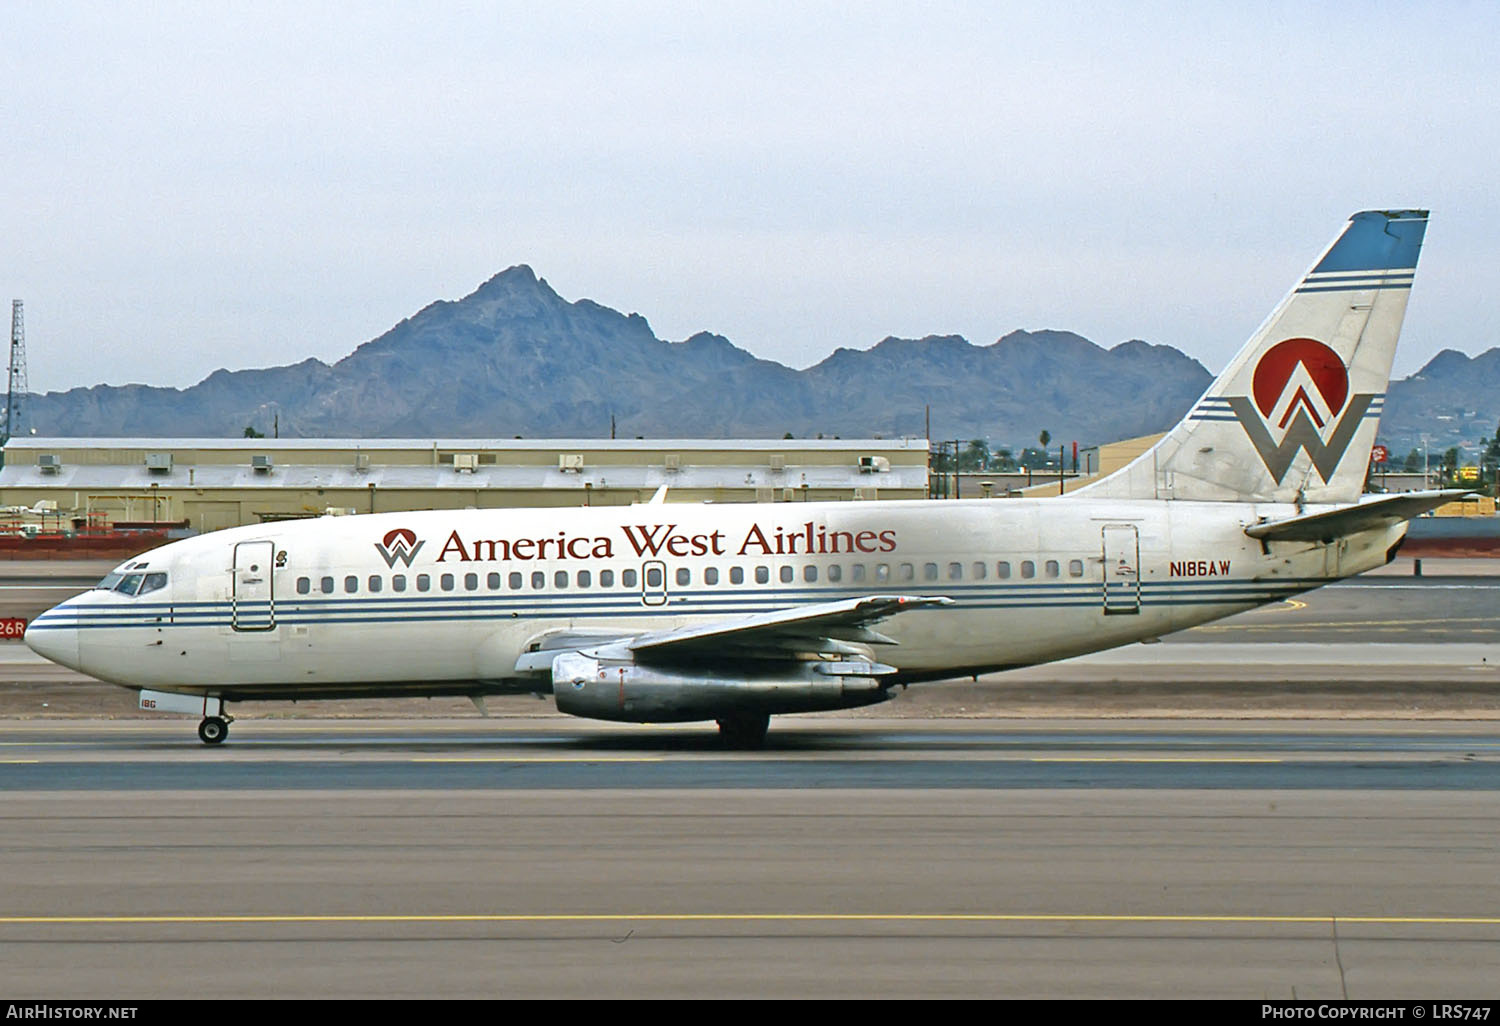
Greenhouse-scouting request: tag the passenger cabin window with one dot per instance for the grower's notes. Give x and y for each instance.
(627, 578)
(835, 574)
(736, 575)
(424, 583)
(978, 569)
(606, 578)
(446, 582)
(1028, 568)
(351, 584)
(1075, 568)
(538, 580)
(492, 582)
(375, 583)
(1051, 568)
(929, 571)
(515, 582)
(653, 577)
(684, 576)
(1002, 570)
(326, 586)
(787, 573)
(857, 573)
(560, 579)
(398, 583)
(304, 585)
(882, 572)
(585, 578)
(810, 574)
(711, 575)
(762, 575)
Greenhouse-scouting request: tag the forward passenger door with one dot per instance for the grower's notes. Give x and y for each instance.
(252, 600)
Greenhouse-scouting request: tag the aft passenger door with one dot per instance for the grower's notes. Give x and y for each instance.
(253, 603)
(1122, 569)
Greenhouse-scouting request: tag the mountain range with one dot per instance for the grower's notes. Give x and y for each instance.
(514, 358)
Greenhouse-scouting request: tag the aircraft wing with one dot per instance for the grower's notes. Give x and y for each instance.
(831, 625)
(839, 627)
(1380, 511)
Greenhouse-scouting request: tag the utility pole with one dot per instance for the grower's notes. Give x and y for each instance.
(15, 389)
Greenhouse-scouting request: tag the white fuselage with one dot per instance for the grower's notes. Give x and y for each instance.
(350, 605)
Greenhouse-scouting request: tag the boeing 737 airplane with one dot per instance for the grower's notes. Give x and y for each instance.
(661, 612)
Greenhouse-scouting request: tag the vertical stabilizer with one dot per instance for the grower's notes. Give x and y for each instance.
(1293, 416)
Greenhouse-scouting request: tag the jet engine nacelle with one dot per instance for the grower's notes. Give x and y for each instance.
(614, 689)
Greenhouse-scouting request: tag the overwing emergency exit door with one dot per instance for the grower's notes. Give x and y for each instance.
(253, 603)
(1122, 569)
(654, 583)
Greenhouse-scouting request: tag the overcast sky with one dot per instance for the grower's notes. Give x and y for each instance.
(195, 186)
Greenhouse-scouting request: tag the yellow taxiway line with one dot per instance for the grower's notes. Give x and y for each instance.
(754, 917)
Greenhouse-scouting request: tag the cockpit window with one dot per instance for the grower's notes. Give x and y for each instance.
(109, 582)
(153, 582)
(129, 584)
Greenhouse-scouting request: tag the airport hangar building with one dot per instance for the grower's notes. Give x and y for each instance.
(207, 484)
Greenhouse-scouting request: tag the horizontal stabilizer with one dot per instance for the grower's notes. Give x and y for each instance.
(1380, 511)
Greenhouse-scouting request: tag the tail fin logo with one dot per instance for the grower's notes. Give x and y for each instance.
(400, 545)
(1301, 391)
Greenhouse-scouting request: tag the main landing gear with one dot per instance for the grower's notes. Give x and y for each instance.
(213, 730)
(744, 730)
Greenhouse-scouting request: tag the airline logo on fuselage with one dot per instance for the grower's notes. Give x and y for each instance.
(1300, 389)
(653, 541)
(400, 545)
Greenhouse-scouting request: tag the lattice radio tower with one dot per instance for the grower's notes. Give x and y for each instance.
(15, 390)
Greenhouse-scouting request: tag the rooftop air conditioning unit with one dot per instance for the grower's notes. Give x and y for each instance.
(672, 462)
(465, 462)
(362, 462)
(777, 461)
(159, 462)
(570, 462)
(874, 465)
(261, 463)
(49, 462)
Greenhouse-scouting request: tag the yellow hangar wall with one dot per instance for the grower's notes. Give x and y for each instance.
(211, 484)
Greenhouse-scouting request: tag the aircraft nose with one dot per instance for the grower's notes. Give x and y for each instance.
(54, 636)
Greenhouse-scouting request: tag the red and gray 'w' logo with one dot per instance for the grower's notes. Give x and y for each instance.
(1301, 391)
(398, 545)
